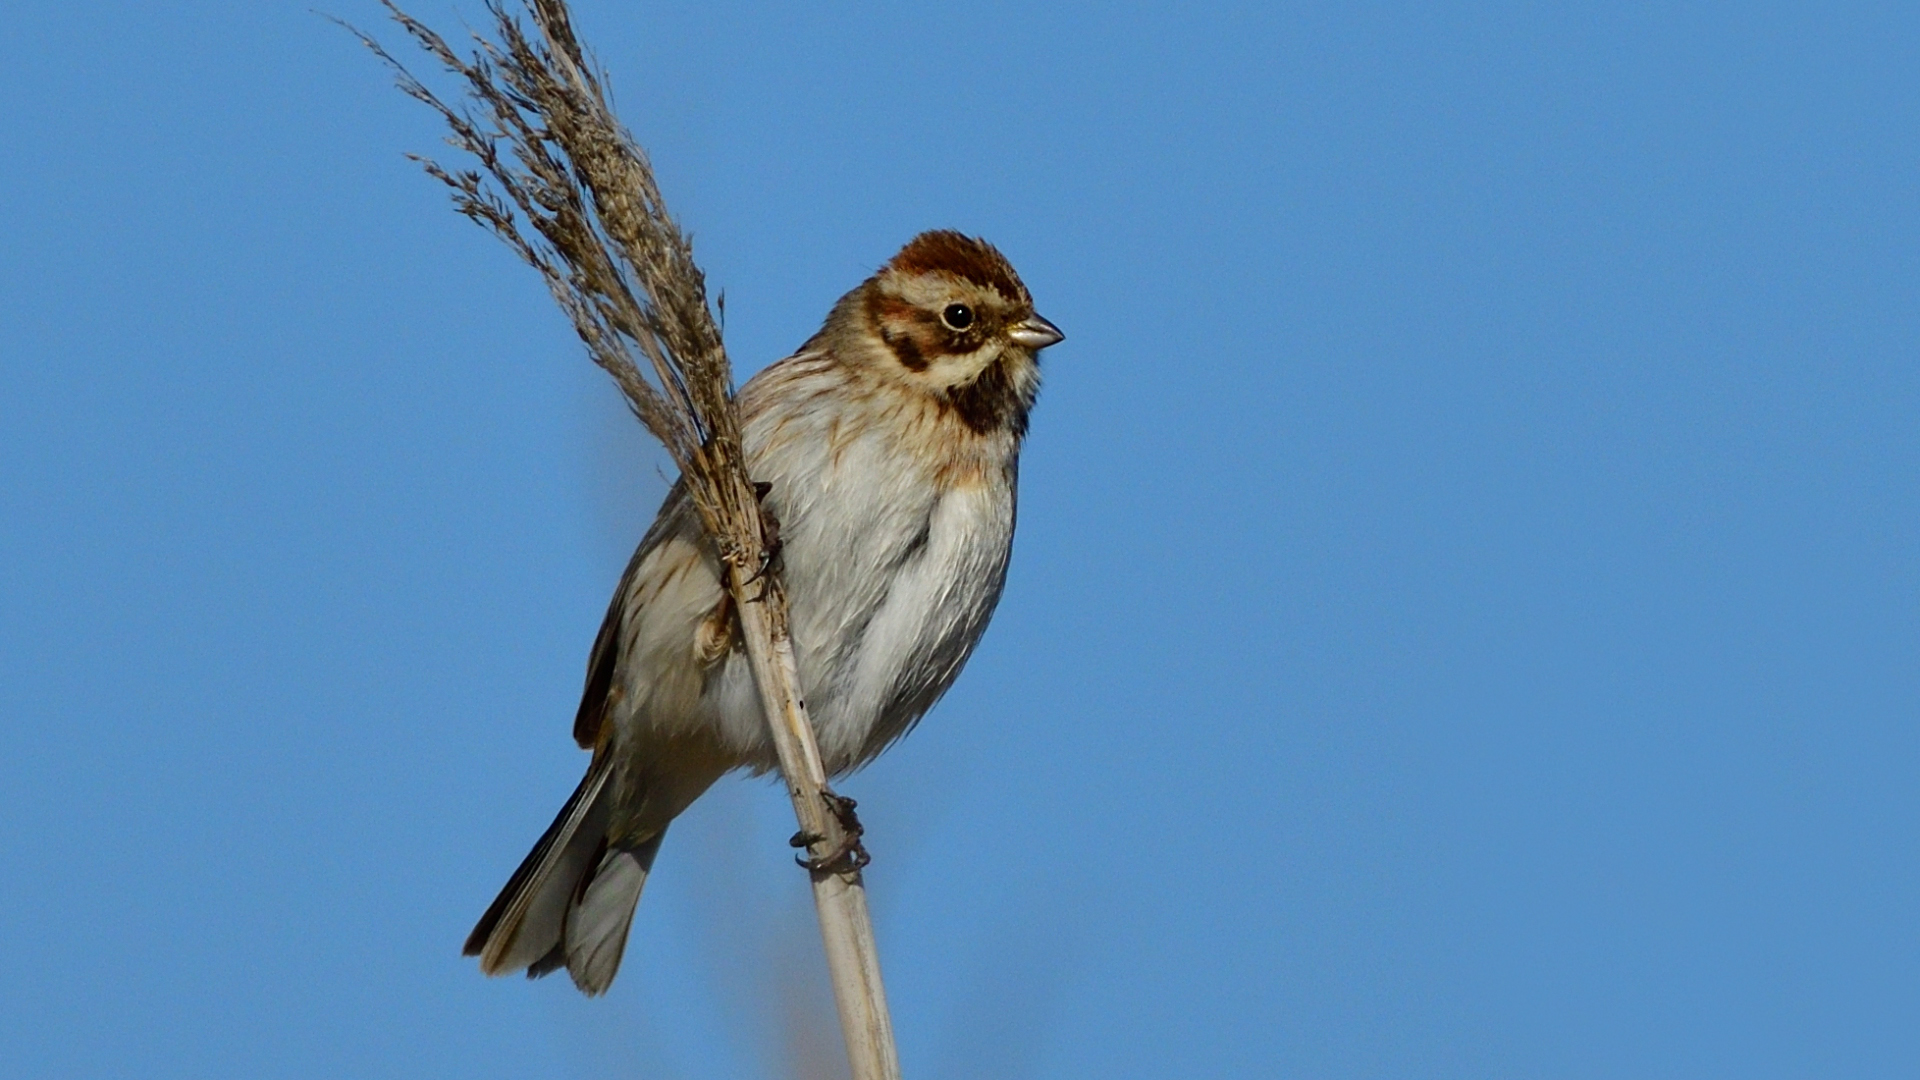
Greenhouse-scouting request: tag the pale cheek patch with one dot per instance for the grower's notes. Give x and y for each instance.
(958, 369)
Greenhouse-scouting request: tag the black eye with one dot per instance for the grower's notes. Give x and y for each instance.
(957, 316)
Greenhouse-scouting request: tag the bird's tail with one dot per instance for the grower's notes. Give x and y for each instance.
(572, 899)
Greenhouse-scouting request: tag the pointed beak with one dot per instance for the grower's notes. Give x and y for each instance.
(1036, 333)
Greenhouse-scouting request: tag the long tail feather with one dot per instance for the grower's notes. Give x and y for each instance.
(597, 923)
(528, 919)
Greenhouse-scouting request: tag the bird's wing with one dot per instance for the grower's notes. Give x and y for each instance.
(600, 665)
(677, 518)
(785, 381)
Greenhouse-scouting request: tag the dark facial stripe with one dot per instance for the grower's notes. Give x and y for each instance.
(905, 349)
(992, 401)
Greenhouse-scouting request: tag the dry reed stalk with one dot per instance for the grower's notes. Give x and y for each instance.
(564, 184)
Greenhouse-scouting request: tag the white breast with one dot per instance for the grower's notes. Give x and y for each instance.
(892, 570)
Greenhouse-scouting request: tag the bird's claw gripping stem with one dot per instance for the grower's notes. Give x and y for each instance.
(770, 545)
(850, 855)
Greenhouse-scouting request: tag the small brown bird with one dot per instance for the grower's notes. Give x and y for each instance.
(890, 444)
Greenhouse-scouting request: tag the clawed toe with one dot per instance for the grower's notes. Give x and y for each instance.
(850, 854)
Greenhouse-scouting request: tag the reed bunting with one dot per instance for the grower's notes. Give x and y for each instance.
(888, 448)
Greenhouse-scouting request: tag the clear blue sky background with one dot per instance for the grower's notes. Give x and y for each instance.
(1463, 622)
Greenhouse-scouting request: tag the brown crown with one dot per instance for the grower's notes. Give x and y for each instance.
(945, 251)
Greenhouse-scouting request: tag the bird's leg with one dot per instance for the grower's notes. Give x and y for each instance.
(770, 540)
(850, 854)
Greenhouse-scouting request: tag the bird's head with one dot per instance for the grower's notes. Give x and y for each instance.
(948, 317)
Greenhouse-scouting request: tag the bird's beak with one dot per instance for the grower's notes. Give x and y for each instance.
(1036, 333)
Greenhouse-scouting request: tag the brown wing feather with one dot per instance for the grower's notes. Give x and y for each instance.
(602, 690)
(600, 667)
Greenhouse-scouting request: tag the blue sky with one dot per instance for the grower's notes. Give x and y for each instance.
(1463, 621)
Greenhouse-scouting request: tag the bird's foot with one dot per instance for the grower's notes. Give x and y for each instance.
(769, 545)
(849, 855)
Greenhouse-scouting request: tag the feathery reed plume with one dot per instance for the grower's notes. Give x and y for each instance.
(564, 184)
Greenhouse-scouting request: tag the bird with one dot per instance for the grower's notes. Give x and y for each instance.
(887, 451)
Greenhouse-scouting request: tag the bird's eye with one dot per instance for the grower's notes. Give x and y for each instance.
(957, 316)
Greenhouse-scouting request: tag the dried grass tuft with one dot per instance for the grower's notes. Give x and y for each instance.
(564, 184)
(568, 188)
